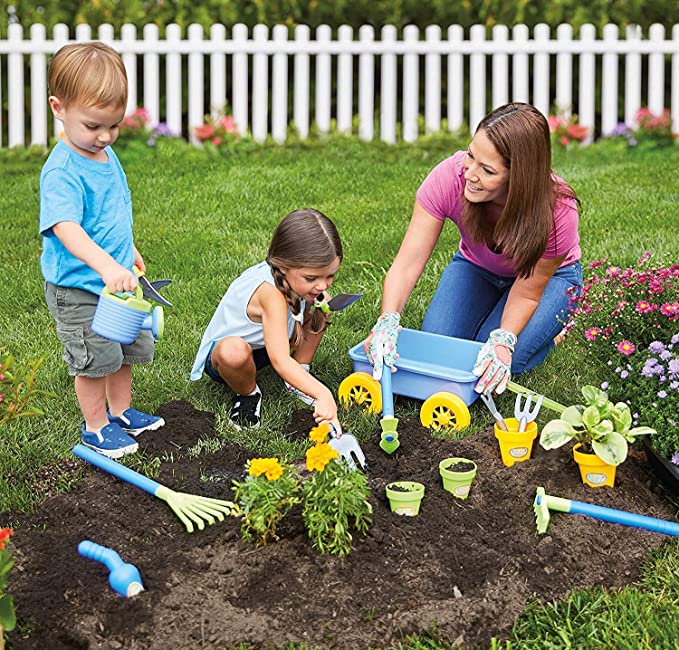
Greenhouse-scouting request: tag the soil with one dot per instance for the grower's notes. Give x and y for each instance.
(210, 590)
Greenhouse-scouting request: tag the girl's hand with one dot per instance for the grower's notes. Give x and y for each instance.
(325, 409)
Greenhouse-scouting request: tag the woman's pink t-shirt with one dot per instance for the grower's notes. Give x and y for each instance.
(441, 195)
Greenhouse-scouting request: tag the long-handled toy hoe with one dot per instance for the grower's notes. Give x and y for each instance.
(389, 442)
(544, 503)
(188, 507)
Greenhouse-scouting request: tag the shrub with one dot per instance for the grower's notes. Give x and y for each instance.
(7, 614)
(566, 131)
(656, 129)
(17, 389)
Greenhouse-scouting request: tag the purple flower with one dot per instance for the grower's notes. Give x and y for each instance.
(624, 374)
(675, 339)
(662, 394)
(673, 367)
(665, 355)
(674, 385)
(604, 386)
(675, 458)
(656, 347)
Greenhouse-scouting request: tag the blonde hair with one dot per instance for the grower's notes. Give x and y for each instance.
(303, 238)
(91, 74)
(520, 134)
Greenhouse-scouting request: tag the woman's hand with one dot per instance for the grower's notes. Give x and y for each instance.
(494, 362)
(380, 346)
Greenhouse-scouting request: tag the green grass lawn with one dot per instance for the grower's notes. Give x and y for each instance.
(201, 220)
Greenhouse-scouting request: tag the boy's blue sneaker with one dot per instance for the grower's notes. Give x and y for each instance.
(111, 441)
(135, 422)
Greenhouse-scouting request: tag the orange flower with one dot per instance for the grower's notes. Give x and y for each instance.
(319, 456)
(4, 536)
(270, 467)
(320, 433)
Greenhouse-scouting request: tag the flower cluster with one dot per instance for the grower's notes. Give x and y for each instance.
(626, 320)
(7, 614)
(137, 126)
(217, 132)
(622, 133)
(651, 375)
(655, 128)
(566, 130)
(269, 467)
(318, 456)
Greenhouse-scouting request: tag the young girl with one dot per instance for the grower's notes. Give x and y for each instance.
(265, 317)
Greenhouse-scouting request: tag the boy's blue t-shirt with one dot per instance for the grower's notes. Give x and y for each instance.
(96, 196)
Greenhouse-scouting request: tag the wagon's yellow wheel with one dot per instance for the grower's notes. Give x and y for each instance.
(360, 388)
(444, 411)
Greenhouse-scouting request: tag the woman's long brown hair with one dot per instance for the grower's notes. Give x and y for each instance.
(520, 134)
(303, 238)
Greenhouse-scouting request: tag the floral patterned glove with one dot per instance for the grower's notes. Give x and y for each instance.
(494, 362)
(382, 348)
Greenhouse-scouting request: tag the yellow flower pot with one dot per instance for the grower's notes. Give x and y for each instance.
(594, 472)
(516, 447)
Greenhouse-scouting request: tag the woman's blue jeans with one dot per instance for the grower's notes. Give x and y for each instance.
(469, 302)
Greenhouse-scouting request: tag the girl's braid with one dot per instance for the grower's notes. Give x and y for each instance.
(294, 303)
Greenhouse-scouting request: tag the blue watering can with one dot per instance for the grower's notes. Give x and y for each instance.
(121, 316)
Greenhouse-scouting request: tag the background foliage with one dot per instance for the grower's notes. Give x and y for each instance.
(340, 12)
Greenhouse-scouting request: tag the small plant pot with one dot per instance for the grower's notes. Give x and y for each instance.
(405, 497)
(594, 472)
(516, 447)
(457, 475)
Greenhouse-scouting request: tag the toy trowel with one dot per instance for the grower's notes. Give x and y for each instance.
(150, 289)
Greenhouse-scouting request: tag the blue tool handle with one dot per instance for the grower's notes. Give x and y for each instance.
(98, 553)
(625, 518)
(116, 469)
(387, 393)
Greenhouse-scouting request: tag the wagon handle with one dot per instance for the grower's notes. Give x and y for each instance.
(548, 403)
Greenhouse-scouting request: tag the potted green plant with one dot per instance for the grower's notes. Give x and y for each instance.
(602, 431)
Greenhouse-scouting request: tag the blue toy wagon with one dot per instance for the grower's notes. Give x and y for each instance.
(434, 368)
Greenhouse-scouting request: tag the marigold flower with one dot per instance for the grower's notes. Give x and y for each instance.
(5, 534)
(320, 433)
(318, 456)
(266, 466)
(626, 347)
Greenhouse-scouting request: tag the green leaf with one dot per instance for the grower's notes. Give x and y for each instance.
(7, 614)
(556, 433)
(612, 449)
(641, 431)
(590, 394)
(602, 429)
(591, 417)
(573, 415)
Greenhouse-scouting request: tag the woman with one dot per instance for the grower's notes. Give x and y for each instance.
(518, 256)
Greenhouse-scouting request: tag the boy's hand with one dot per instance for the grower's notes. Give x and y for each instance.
(139, 261)
(117, 278)
(325, 409)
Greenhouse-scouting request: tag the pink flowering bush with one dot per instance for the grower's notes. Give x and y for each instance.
(566, 131)
(137, 126)
(627, 323)
(220, 132)
(654, 128)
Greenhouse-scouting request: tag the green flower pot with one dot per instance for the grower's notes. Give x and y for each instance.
(458, 483)
(405, 497)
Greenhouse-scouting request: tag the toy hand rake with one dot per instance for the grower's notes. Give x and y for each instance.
(188, 507)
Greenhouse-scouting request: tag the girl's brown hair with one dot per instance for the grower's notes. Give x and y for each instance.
(520, 134)
(303, 238)
(91, 74)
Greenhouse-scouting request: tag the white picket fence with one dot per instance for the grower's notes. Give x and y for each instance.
(500, 69)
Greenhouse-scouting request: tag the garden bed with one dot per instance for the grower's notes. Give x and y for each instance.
(467, 568)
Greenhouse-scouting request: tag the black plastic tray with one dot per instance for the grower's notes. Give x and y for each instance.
(666, 471)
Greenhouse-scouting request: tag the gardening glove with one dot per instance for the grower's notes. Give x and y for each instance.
(494, 362)
(382, 348)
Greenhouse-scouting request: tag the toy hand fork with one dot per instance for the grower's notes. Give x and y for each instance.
(524, 414)
(188, 507)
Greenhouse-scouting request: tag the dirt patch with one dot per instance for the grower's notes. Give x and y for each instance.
(466, 567)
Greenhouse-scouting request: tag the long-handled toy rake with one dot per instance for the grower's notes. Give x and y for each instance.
(188, 507)
(544, 503)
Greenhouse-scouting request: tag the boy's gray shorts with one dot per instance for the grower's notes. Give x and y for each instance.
(87, 354)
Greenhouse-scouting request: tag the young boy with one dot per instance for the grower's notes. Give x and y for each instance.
(86, 225)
